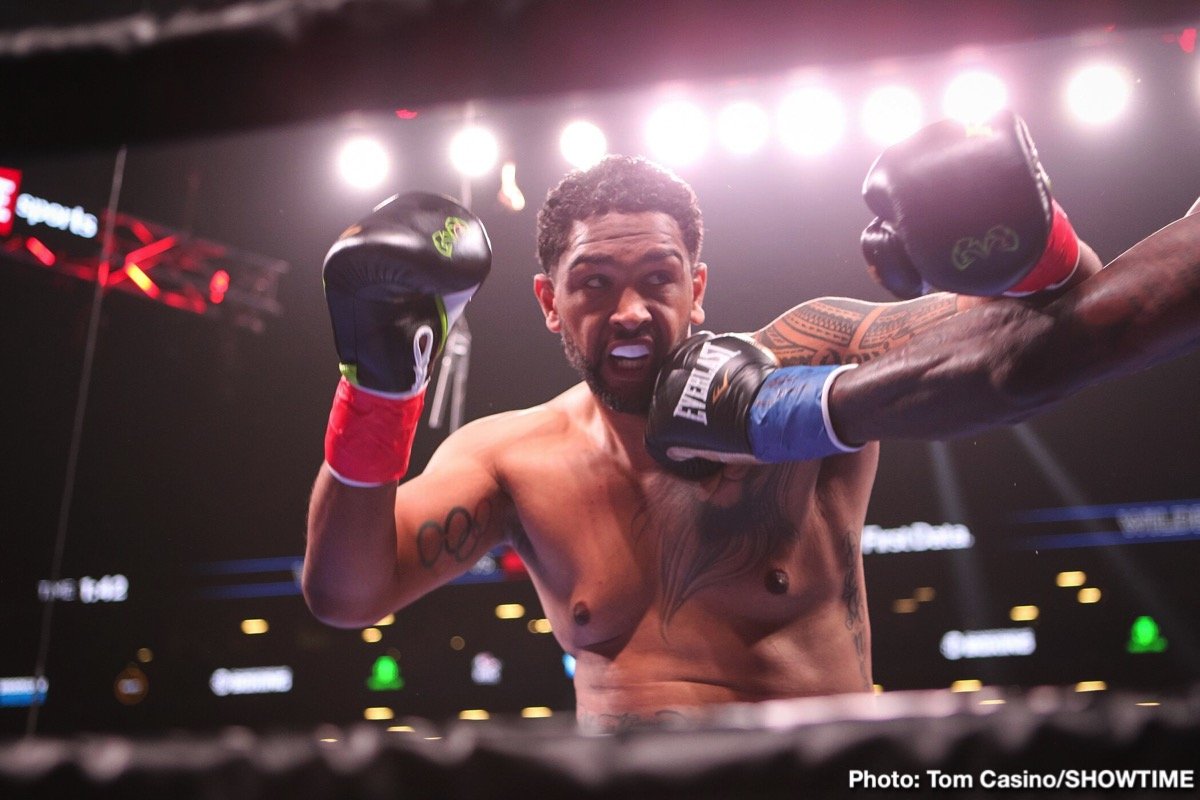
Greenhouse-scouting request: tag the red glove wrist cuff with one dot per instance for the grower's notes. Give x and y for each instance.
(370, 437)
(1058, 261)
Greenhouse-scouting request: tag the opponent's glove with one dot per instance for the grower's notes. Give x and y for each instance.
(395, 283)
(967, 209)
(726, 399)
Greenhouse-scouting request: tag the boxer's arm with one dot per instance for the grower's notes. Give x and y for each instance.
(841, 330)
(371, 551)
(1006, 360)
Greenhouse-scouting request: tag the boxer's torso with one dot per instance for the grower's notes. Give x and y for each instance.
(673, 593)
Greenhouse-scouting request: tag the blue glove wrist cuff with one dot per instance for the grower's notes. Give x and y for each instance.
(789, 418)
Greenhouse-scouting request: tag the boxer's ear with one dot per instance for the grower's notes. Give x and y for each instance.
(543, 289)
(699, 285)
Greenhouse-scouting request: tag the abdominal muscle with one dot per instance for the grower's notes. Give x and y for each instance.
(658, 674)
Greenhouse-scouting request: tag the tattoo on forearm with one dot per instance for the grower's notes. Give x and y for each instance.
(852, 596)
(457, 536)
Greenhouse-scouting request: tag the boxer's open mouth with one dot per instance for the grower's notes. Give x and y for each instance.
(631, 356)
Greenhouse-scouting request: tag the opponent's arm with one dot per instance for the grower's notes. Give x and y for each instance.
(966, 208)
(1005, 361)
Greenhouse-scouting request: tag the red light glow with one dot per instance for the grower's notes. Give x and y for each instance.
(1187, 40)
(40, 251)
(142, 280)
(144, 254)
(512, 564)
(218, 285)
(407, 113)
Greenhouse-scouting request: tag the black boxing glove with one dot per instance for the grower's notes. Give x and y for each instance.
(967, 209)
(395, 284)
(726, 399)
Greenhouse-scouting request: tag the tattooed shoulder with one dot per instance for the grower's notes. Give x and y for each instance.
(836, 330)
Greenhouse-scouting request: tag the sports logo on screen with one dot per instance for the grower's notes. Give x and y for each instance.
(10, 182)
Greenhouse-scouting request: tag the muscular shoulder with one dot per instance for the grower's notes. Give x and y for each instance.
(490, 437)
(839, 330)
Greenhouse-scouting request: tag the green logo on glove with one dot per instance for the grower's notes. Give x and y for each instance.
(443, 240)
(968, 249)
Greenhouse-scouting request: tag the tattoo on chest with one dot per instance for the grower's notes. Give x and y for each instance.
(852, 596)
(457, 536)
(736, 530)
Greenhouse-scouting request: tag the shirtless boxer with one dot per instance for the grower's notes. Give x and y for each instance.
(674, 581)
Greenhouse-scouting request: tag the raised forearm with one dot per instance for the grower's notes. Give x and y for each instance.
(1004, 360)
(350, 558)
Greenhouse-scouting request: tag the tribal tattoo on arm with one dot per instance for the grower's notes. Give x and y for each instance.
(839, 330)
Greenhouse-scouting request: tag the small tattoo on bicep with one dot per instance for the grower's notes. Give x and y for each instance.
(457, 536)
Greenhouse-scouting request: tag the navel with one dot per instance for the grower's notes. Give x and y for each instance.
(580, 613)
(776, 581)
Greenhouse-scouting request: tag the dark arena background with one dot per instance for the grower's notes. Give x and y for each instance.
(170, 182)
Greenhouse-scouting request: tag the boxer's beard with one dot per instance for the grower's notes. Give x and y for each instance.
(634, 400)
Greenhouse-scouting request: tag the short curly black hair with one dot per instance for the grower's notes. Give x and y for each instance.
(618, 183)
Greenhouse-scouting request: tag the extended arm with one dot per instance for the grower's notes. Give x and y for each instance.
(1006, 360)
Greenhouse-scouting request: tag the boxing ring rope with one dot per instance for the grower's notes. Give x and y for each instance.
(85, 381)
(924, 743)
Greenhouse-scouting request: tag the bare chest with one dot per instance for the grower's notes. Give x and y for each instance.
(618, 553)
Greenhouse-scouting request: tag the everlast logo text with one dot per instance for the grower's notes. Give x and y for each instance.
(693, 402)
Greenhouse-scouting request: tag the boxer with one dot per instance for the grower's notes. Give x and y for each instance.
(690, 512)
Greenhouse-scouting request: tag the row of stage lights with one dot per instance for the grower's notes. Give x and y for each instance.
(808, 122)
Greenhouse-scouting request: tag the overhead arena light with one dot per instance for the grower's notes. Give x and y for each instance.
(742, 127)
(891, 113)
(474, 151)
(811, 121)
(1097, 94)
(363, 162)
(974, 96)
(582, 144)
(677, 132)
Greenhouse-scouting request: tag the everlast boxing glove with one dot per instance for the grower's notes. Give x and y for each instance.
(725, 398)
(967, 209)
(395, 283)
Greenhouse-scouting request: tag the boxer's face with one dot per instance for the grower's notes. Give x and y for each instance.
(622, 295)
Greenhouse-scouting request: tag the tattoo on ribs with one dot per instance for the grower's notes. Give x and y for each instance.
(457, 536)
(852, 597)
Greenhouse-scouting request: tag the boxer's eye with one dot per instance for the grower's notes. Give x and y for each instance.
(661, 278)
(596, 282)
